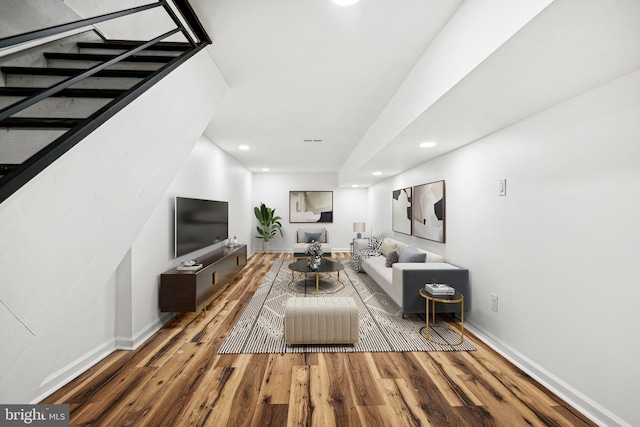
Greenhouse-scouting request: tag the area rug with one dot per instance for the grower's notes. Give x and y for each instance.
(382, 326)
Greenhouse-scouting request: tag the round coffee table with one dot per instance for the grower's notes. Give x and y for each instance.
(327, 266)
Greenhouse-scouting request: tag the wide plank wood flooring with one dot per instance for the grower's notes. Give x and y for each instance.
(177, 379)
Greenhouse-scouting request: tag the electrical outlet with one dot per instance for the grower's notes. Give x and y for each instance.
(494, 302)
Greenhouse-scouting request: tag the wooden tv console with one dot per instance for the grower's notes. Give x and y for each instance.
(187, 290)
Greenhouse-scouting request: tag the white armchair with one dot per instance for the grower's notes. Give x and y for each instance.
(304, 236)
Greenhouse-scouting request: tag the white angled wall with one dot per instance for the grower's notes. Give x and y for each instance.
(560, 250)
(209, 174)
(65, 233)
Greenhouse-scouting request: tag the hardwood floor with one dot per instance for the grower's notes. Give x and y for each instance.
(177, 379)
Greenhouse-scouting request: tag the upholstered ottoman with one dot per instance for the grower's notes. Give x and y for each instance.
(326, 320)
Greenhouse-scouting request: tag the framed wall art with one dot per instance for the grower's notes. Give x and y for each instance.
(429, 211)
(311, 206)
(401, 210)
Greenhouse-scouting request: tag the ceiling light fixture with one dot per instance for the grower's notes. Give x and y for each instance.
(345, 2)
(377, 173)
(427, 144)
(243, 147)
(265, 169)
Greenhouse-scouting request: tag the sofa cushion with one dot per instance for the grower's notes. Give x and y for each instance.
(302, 238)
(411, 254)
(376, 269)
(312, 237)
(392, 258)
(387, 246)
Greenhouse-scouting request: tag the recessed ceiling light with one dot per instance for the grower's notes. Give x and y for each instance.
(265, 169)
(243, 147)
(427, 144)
(345, 2)
(355, 186)
(377, 173)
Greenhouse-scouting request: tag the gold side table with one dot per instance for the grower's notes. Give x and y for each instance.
(458, 298)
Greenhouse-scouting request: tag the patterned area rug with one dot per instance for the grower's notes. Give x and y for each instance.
(382, 327)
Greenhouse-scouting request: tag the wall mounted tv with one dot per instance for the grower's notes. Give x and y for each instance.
(199, 223)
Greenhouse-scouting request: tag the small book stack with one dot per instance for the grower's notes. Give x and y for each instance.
(439, 289)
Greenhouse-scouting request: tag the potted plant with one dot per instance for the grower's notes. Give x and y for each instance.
(269, 225)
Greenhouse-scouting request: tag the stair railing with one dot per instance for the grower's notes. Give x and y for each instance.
(15, 176)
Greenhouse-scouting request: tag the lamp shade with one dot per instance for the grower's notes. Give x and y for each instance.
(358, 227)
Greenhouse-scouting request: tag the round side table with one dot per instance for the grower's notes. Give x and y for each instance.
(431, 300)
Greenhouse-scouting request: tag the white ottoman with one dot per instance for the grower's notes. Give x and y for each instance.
(326, 320)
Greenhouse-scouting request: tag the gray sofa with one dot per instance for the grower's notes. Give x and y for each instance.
(403, 280)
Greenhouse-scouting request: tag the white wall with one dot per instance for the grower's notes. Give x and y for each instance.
(19, 16)
(560, 250)
(66, 231)
(139, 26)
(207, 174)
(349, 206)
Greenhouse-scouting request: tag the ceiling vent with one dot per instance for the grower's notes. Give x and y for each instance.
(312, 141)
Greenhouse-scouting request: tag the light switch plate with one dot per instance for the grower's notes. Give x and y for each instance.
(502, 191)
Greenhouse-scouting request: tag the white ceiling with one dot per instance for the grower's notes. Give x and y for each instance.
(309, 69)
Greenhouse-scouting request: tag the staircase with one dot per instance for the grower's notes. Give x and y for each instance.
(45, 110)
(28, 132)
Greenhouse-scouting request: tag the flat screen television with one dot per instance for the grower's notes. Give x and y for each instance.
(199, 223)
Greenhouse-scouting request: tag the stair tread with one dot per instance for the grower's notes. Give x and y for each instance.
(123, 44)
(40, 71)
(70, 93)
(105, 57)
(39, 122)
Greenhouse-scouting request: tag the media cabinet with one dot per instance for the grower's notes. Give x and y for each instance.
(188, 291)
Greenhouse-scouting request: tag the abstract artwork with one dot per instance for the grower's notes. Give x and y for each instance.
(311, 206)
(401, 210)
(429, 211)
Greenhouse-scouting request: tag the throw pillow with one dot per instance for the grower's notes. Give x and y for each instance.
(301, 234)
(374, 243)
(312, 237)
(387, 247)
(360, 256)
(392, 258)
(411, 254)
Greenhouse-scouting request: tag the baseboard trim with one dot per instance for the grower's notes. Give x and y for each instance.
(65, 375)
(573, 397)
(131, 343)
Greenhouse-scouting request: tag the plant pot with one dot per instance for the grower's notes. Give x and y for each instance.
(266, 247)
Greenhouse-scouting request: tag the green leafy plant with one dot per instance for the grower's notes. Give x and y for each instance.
(269, 222)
